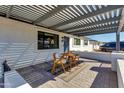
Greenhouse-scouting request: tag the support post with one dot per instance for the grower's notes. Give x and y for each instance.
(120, 28)
(118, 41)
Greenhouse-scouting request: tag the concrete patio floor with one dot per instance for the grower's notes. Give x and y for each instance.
(88, 74)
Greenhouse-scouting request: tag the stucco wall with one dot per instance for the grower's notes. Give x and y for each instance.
(95, 55)
(120, 72)
(114, 57)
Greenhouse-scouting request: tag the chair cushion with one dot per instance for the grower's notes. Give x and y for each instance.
(64, 61)
(58, 55)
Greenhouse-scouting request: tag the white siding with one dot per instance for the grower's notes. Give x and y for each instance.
(81, 47)
(1, 71)
(18, 43)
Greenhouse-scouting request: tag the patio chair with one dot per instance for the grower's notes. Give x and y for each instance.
(56, 62)
(74, 60)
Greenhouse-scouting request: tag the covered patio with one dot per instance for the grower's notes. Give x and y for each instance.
(88, 74)
(26, 30)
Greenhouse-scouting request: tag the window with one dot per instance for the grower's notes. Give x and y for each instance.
(76, 41)
(107, 45)
(47, 40)
(91, 42)
(110, 45)
(85, 42)
(122, 45)
(113, 45)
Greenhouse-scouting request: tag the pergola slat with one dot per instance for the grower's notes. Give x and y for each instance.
(49, 14)
(98, 32)
(9, 11)
(73, 18)
(90, 29)
(100, 11)
(94, 23)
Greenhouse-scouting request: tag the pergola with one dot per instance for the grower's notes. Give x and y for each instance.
(80, 20)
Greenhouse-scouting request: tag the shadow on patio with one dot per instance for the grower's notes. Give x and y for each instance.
(35, 75)
(105, 78)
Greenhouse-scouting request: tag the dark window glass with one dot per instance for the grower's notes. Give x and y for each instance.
(85, 42)
(47, 40)
(112, 45)
(122, 45)
(107, 45)
(76, 41)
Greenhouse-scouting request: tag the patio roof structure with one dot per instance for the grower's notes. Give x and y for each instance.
(79, 20)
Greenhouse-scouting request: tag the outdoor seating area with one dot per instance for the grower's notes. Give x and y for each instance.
(88, 74)
(66, 60)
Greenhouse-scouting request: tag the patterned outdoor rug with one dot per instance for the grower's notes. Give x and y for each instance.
(69, 75)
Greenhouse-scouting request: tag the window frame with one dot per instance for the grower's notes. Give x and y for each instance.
(75, 43)
(43, 42)
(85, 43)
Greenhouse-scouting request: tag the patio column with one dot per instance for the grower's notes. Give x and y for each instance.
(118, 41)
(120, 28)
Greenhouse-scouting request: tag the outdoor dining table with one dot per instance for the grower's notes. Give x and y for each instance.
(68, 56)
(65, 60)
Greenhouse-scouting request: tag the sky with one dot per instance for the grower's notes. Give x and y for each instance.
(107, 37)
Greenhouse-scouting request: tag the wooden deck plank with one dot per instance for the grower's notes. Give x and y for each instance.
(95, 75)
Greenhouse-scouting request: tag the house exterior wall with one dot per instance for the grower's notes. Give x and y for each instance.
(18, 44)
(81, 47)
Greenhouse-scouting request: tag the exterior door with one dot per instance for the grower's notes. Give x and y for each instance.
(66, 44)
